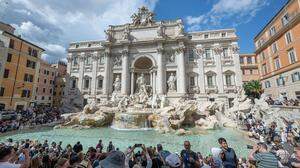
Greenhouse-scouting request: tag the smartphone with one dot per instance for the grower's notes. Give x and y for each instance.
(138, 145)
(249, 147)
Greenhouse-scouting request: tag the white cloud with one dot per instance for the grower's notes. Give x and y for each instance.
(226, 13)
(53, 24)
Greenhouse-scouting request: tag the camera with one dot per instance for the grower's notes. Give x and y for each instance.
(249, 147)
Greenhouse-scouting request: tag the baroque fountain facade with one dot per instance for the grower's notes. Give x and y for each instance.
(149, 74)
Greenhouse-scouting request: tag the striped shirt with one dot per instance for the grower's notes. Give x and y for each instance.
(266, 160)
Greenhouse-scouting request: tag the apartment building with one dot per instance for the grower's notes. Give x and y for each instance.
(249, 67)
(59, 83)
(278, 52)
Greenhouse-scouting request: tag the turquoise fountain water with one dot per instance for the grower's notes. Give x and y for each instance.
(123, 139)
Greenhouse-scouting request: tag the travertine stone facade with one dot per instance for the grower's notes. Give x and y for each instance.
(202, 65)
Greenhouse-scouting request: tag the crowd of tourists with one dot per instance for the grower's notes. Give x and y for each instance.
(283, 101)
(20, 119)
(35, 154)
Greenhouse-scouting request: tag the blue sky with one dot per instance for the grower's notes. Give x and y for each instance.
(53, 24)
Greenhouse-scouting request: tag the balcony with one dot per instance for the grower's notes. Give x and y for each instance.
(211, 89)
(230, 88)
(209, 62)
(227, 60)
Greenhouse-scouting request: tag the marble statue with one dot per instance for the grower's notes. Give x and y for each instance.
(117, 84)
(126, 33)
(117, 61)
(109, 35)
(143, 17)
(141, 84)
(171, 83)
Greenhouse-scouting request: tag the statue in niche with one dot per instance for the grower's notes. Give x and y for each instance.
(171, 83)
(180, 30)
(126, 33)
(141, 84)
(117, 61)
(117, 84)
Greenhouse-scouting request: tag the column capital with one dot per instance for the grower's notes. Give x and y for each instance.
(81, 56)
(125, 52)
(95, 56)
(180, 50)
(217, 49)
(69, 57)
(199, 49)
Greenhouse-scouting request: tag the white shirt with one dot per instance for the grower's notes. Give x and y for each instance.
(9, 165)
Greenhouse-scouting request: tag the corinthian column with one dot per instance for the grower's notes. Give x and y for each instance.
(125, 73)
(94, 72)
(106, 77)
(161, 72)
(219, 78)
(237, 66)
(181, 75)
(81, 70)
(201, 81)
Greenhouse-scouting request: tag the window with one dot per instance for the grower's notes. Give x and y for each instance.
(192, 81)
(43, 97)
(280, 81)
(288, 37)
(207, 54)
(277, 63)
(2, 91)
(11, 43)
(264, 69)
(223, 34)
(50, 81)
(228, 80)
(242, 60)
(292, 56)
(36, 90)
(243, 71)
(100, 83)
(191, 56)
(44, 90)
(296, 76)
(45, 80)
(205, 36)
(262, 55)
(86, 83)
(73, 83)
(6, 73)
(249, 60)
(25, 93)
(32, 52)
(77, 45)
(285, 19)
(28, 78)
(272, 31)
(89, 45)
(9, 56)
(210, 80)
(251, 71)
(50, 91)
(87, 60)
(274, 47)
(75, 62)
(47, 72)
(29, 50)
(49, 98)
(267, 84)
(52, 73)
(225, 52)
(30, 64)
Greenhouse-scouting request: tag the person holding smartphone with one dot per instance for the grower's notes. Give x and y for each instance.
(189, 157)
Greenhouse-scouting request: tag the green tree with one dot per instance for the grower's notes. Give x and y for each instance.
(253, 89)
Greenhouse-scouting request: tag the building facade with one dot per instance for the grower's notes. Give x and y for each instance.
(20, 71)
(278, 52)
(201, 65)
(249, 67)
(59, 83)
(45, 86)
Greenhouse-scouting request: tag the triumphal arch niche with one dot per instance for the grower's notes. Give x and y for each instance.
(156, 58)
